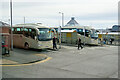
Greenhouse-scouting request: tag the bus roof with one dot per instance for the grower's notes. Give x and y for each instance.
(31, 25)
(72, 27)
(79, 27)
(67, 30)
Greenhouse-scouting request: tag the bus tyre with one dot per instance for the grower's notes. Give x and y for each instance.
(26, 46)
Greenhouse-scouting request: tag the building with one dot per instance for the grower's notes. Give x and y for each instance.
(5, 34)
(72, 22)
(115, 28)
(4, 27)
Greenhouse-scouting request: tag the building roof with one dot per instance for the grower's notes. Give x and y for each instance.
(116, 28)
(72, 22)
(2, 24)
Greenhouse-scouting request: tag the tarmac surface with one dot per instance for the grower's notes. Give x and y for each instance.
(21, 56)
(68, 62)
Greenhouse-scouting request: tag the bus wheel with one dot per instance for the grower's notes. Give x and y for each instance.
(26, 46)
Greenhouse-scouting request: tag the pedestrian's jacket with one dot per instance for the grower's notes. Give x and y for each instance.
(54, 40)
(79, 41)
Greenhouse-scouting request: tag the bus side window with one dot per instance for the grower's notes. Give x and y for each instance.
(26, 32)
(19, 31)
(22, 29)
(26, 29)
(15, 31)
(87, 32)
(33, 33)
(12, 29)
(30, 30)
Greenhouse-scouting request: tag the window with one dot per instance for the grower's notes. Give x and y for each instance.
(31, 33)
(21, 29)
(73, 29)
(18, 29)
(86, 31)
(30, 30)
(44, 34)
(80, 30)
(25, 29)
(12, 29)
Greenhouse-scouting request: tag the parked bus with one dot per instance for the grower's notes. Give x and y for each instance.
(32, 36)
(72, 33)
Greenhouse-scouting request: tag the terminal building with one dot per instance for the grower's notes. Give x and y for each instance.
(72, 22)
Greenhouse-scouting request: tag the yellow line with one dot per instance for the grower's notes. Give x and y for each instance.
(48, 58)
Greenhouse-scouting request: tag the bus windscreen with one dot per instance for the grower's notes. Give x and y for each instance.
(44, 34)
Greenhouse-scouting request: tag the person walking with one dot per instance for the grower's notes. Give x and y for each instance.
(54, 43)
(79, 44)
(111, 40)
(104, 41)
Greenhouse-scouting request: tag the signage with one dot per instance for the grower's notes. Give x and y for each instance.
(69, 35)
(99, 35)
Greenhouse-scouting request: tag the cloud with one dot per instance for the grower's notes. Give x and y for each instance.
(47, 11)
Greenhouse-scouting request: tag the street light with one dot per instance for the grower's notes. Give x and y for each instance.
(60, 28)
(84, 35)
(62, 18)
(24, 23)
(11, 24)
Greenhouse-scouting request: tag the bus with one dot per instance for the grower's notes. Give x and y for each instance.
(87, 34)
(32, 35)
(115, 36)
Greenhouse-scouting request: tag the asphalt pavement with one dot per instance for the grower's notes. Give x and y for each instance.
(22, 56)
(68, 62)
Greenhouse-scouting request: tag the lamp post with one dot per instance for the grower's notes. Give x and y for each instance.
(24, 20)
(84, 35)
(60, 28)
(11, 24)
(107, 35)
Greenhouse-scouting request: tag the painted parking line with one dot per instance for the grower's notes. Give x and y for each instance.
(42, 61)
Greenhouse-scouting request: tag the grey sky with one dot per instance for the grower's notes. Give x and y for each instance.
(96, 13)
